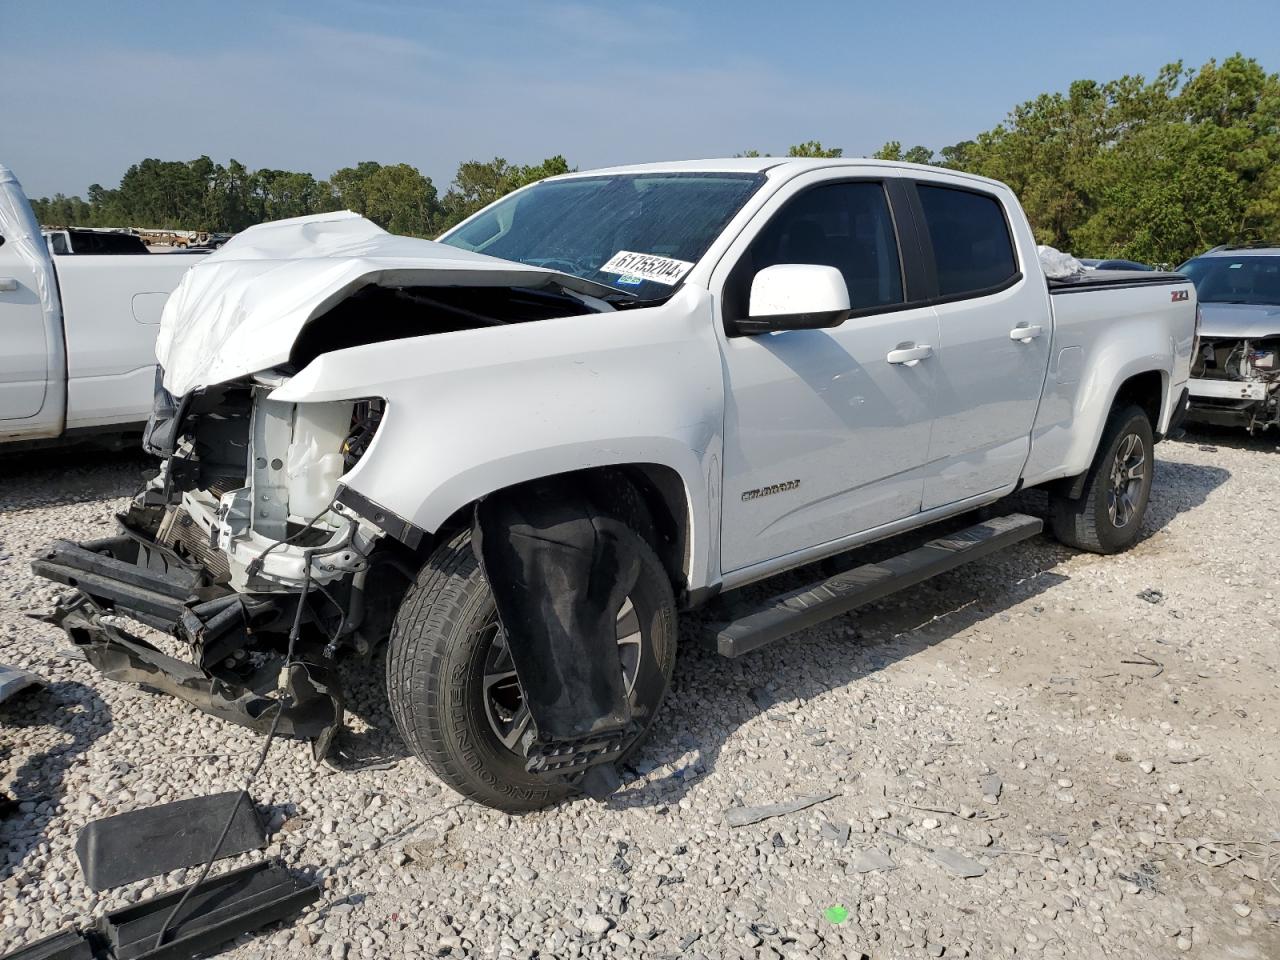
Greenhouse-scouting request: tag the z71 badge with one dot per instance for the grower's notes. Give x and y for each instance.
(768, 491)
(1179, 295)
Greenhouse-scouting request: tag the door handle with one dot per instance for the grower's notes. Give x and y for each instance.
(1025, 333)
(8, 284)
(909, 354)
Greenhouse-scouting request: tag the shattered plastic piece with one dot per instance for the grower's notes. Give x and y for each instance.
(836, 913)
(146, 843)
(742, 816)
(957, 862)
(13, 681)
(1151, 595)
(871, 860)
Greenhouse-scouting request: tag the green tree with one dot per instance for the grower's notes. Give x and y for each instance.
(813, 148)
(477, 184)
(400, 199)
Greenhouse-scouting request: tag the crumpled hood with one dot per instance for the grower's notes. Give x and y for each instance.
(239, 310)
(1248, 321)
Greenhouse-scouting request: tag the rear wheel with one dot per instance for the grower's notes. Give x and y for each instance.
(1107, 517)
(453, 689)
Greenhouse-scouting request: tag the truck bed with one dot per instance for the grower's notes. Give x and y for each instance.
(1112, 280)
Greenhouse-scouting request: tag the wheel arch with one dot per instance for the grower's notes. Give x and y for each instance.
(668, 524)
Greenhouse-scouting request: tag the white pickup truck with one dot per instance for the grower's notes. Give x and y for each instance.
(609, 396)
(79, 333)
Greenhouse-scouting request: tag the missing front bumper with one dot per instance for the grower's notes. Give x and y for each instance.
(127, 577)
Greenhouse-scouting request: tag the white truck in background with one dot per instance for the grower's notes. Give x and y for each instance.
(79, 333)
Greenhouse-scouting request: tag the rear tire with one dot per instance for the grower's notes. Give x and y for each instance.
(441, 647)
(1107, 517)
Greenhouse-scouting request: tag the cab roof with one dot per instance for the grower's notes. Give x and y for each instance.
(783, 167)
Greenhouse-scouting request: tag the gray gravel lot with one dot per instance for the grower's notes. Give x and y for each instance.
(1107, 762)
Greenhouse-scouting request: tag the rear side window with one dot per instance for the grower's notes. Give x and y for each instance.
(843, 225)
(972, 248)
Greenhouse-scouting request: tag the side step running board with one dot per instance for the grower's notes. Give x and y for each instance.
(800, 609)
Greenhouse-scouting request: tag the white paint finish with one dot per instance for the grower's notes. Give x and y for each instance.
(795, 288)
(76, 352)
(478, 410)
(239, 310)
(989, 382)
(826, 408)
(31, 371)
(1120, 333)
(120, 398)
(473, 411)
(1229, 389)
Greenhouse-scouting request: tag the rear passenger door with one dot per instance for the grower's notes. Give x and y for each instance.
(993, 340)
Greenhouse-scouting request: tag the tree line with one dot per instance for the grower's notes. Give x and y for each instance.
(203, 195)
(1154, 170)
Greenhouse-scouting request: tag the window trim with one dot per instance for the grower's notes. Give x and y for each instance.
(909, 261)
(937, 298)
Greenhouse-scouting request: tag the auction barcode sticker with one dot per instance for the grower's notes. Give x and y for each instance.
(647, 266)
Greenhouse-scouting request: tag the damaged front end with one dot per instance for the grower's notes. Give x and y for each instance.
(1236, 382)
(238, 551)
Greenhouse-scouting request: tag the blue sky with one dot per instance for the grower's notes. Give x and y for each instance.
(92, 87)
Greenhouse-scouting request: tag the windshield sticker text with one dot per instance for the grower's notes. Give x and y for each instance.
(647, 266)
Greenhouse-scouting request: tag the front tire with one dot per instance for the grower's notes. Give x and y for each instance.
(446, 651)
(1107, 517)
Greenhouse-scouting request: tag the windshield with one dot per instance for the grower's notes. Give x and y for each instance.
(638, 233)
(1235, 279)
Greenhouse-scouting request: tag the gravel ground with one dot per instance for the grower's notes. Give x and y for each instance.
(1104, 756)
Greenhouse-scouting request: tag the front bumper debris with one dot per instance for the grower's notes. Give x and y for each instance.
(127, 576)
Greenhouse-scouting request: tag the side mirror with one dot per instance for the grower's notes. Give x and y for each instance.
(796, 296)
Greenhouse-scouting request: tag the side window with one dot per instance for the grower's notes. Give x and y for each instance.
(843, 225)
(60, 243)
(972, 248)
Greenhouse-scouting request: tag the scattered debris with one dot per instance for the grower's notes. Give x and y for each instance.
(871, 860)
(154, 840)
(957, 862)
(1145, 661)
(1151, 595)
(742, 816)
(1207, 448)
(837, 833)
(992, 786)
(13, 681)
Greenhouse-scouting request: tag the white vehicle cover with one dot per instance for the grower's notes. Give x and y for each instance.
(239, 310)
(19, 228)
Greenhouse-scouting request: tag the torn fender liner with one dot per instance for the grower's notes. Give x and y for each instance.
(560, 571)
(314, 708)
(148, 842)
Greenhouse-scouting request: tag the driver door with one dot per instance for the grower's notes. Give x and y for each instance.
(825, 435)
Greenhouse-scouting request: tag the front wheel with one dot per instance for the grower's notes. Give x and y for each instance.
(453, 690)
(1107, 517)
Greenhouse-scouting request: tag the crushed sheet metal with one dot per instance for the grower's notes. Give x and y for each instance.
(239, 310)
(13, 681)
